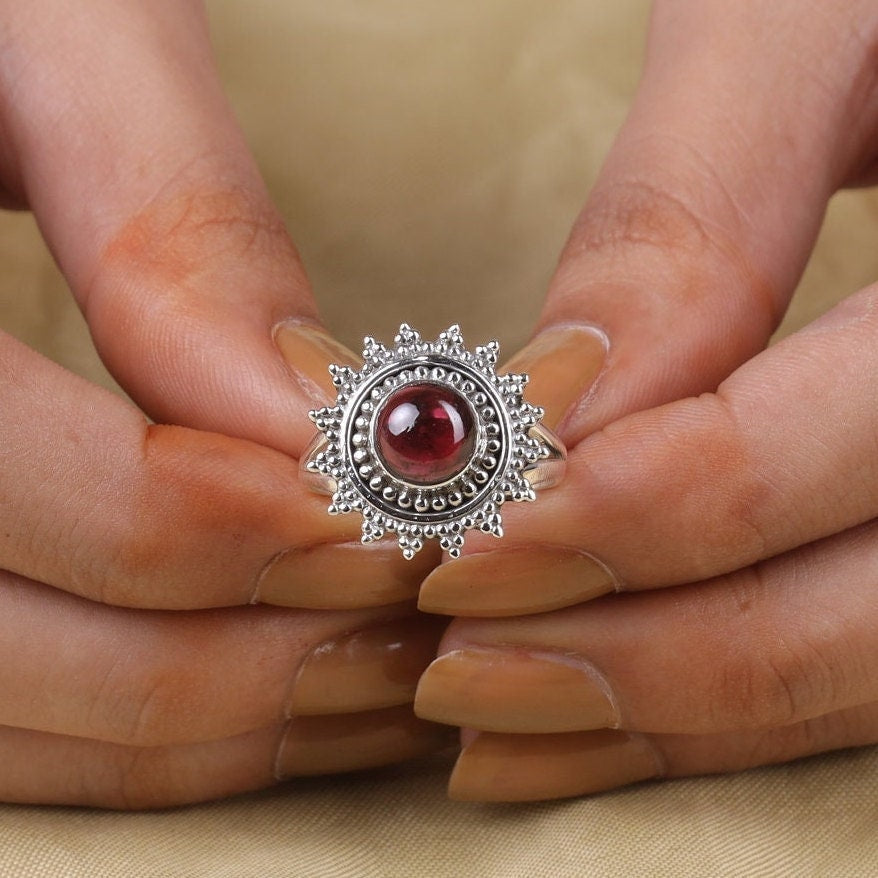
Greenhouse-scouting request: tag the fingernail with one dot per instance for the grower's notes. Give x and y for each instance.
(514, 581)
(339, 576)
(309, 350)
(527, 768)
(513, 690)
(563, 364)
(349, 742)
(369, 669)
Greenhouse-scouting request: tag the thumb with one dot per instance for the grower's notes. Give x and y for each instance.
(153, 206)
(704, 215)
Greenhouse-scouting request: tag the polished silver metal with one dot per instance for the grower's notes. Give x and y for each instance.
(514, 454)
(542, 474)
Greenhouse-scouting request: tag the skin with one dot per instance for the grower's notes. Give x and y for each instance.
(131, 551)
(730, 490)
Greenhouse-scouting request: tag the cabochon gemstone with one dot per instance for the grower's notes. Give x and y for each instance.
(425, 433)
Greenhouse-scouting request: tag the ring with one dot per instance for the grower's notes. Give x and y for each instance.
(426, 441)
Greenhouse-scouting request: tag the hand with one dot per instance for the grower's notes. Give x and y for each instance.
(116, 134)
(728, 493)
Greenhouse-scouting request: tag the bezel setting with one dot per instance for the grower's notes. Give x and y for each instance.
(415, 511)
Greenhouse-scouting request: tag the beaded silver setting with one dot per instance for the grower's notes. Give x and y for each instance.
(511, 453)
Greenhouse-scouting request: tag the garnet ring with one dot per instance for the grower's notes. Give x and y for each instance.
(426, 441)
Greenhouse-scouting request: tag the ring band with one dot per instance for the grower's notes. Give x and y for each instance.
(426, 441)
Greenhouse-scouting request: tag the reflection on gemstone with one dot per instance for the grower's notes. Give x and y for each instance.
(425, 433)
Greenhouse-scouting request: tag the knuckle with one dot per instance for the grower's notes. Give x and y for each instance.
(805, 738)
(815, 735)
(177, 239)
(763, 747)
(774, 680)
(205, 518)
(231, 221)
(141, 778)
(803, 677)
(170, 283)
(667, 223)
(639, 212)
(684, 225)
(719, 496)
(743, 492)
(141, 703)
(155, 710)
(784, 685)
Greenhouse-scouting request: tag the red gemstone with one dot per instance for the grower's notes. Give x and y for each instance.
(425, 433)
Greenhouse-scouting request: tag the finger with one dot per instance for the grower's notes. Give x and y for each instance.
(775, 645)
(520, 768)
(145, 678)
(99, 503)
(185, 274)
(703, 217)
(40, 768)
(782, 454)
(156, 212)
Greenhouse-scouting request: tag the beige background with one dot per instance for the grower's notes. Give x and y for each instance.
(429, 157)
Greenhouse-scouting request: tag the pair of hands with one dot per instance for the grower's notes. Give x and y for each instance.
(726, 492)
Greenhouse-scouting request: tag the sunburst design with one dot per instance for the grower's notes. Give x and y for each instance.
(496, 471)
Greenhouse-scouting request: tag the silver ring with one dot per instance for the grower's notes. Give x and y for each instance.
(426, 441)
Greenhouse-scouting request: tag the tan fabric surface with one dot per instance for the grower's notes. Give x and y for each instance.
(430, 157)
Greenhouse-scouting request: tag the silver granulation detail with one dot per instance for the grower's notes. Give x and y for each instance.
(504, 449)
